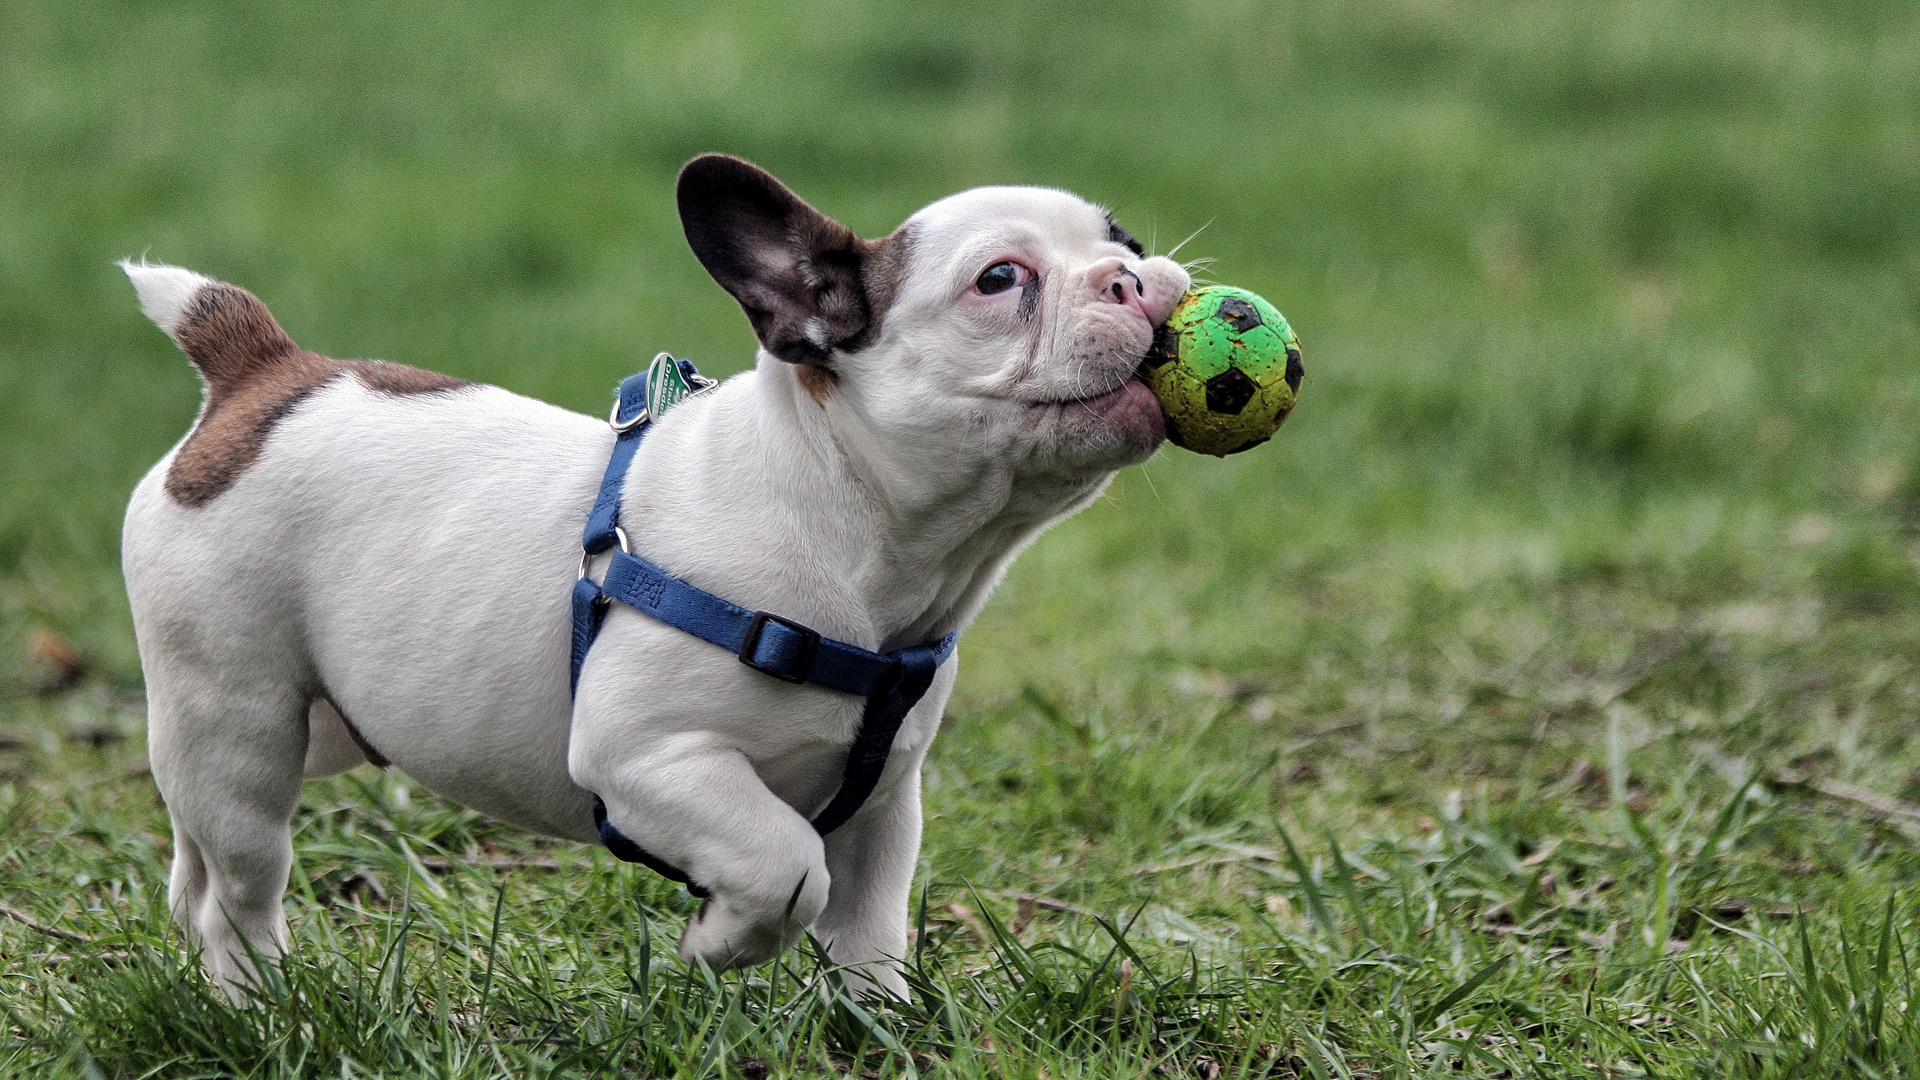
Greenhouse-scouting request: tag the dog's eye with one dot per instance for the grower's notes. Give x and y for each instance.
(1000, 277)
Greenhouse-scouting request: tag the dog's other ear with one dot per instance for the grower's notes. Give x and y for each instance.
(799, 274)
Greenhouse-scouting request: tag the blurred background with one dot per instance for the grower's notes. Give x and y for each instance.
(1601, 502)
(1604, 298)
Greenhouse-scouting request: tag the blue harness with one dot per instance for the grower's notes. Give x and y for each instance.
(891, 682)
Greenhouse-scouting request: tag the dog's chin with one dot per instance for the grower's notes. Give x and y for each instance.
(1120, 427)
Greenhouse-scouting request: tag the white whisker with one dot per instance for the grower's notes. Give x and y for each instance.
(1190, 236)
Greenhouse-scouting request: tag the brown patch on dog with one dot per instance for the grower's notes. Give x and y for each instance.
(230, 336)
(399, 379)
(816, 380)
(883, 266)
(255, 376)
(374, 757)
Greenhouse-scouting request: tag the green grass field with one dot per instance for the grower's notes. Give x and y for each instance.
(1538, 704)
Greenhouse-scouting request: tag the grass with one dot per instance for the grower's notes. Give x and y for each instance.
(1539, 703)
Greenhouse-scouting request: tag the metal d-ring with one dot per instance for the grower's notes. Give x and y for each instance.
(586, 557)
(621, 427)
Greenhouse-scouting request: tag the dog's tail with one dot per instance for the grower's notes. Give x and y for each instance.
(225, 330)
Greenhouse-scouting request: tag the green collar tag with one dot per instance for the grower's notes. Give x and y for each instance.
(667, 386)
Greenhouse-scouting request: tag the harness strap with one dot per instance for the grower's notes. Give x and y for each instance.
(630, 423)
(765, 642)
(893, 683)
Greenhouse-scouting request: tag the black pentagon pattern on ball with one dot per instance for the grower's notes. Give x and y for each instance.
(1238, 314)
(1229, 392)
(1295, 371)
(1166, 348)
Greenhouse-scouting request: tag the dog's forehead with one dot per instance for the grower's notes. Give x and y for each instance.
(1054, 215)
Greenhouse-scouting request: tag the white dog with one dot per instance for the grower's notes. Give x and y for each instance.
(352, 561)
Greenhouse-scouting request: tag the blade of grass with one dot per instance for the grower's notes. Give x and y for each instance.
(1439, 1008)
(493, 949)
(1348, 887)
(1882, 960)
(1309, 889)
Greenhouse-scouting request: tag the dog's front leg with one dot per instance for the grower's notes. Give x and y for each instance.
(872, 858)
(696, 802)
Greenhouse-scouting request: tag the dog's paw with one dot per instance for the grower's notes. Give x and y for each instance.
(723, 939)
(880, 982)
(729, 932)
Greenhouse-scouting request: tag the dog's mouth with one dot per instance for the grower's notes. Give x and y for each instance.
(1129, 410)
(1094, 402)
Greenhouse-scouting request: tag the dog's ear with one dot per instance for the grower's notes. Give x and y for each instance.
(802, 277)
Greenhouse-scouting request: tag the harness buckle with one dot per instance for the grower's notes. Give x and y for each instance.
(802, 663)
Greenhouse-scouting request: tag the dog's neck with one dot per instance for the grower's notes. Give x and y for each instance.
(914, 534)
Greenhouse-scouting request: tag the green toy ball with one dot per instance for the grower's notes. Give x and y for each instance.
(1226, 368)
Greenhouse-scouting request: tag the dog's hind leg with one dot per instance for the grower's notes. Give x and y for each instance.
(227, 759)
